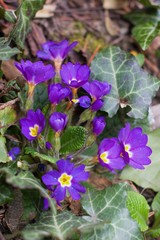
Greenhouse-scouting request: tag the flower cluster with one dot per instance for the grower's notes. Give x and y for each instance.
(114, 153)
(129, 148)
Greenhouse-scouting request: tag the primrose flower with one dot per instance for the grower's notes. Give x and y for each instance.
(135, 152)
(33, 124)
(97, 90)
(58, 121)
(48, 146)
(83, 101)
(54, 50)
(74, 75)
(109, 154)
(98, 125)
(13, 153)
(56, 92)
(36, 72)
(66, 178)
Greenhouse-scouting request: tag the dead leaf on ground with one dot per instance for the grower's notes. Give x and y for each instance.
(9, 70)
(98, 181)
(111, 26)
(115, 4)
(47, 11)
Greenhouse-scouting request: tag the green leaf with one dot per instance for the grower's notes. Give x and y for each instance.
(6, 52)
(25, 13)
(3, 151)
(154, 231)
(150, 176)
(29, 150)
(73, 139)
(147, 25)
(140, 59)
(7, 15)
(138, 208)
(6, 195)
(150, 2)
(108, 218)
(7, 117)
(60, 226)
(131, 85)
(26, 180)
(40, 96)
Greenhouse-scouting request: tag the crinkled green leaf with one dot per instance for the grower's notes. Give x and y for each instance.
(138, 208)
(147, 26)
(60, 226)
(150, 176)
(6, 195)
(3, 150)
(29, 150)
(25, 14)
(7, 117)
(131, 85)
(154, 231)
(7, 15)
(6, 52)
(73, 139)
(108, 218)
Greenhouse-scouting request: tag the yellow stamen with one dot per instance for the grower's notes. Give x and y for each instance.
(75, 100)
(34, 130)
(104, 158)
(127, 149)
(65, 180)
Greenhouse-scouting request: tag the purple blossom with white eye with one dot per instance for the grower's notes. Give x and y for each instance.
(109, 154)
(13, 153)
(66, 178)
(135, 152)
(36, 72)
(83, 101)
(33, 124)
(58, 121)
(98, 125)
(97, 89)
(55, 50)
(74, 75)
(57, 92)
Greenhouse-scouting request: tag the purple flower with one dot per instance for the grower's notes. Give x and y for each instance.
(54, 50)
(33, 124)
(58, 121)
(48, 145)
(74, 75)
(36, 72)
(67, 178)
(13, 153)
(56, 92)
(135, 151)
(97, 105)
(97, 89)
(98, 124)
(109, 154)
(83, 101)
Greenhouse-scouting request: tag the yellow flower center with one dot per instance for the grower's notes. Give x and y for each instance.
(127, 149)
(34, 130)
(104, 158)
(65, 180)
(75, 100)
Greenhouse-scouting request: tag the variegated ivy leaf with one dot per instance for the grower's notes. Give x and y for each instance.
(147, 26)
(108, 218)
(131, 85)
(24, 13)
(6, 52)
(60, 226)
(3, 151)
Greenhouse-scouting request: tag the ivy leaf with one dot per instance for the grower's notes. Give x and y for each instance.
(154, 231)
(7, 117)
(6, 195)
(147, 26)
(138, 208)
(150, 176)
(40, 96)
(3, 150)
(131, 85)
(108, 215)
(29, 150)
(6, 52)
(60, 226)
(73, 139)
(24, 13)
